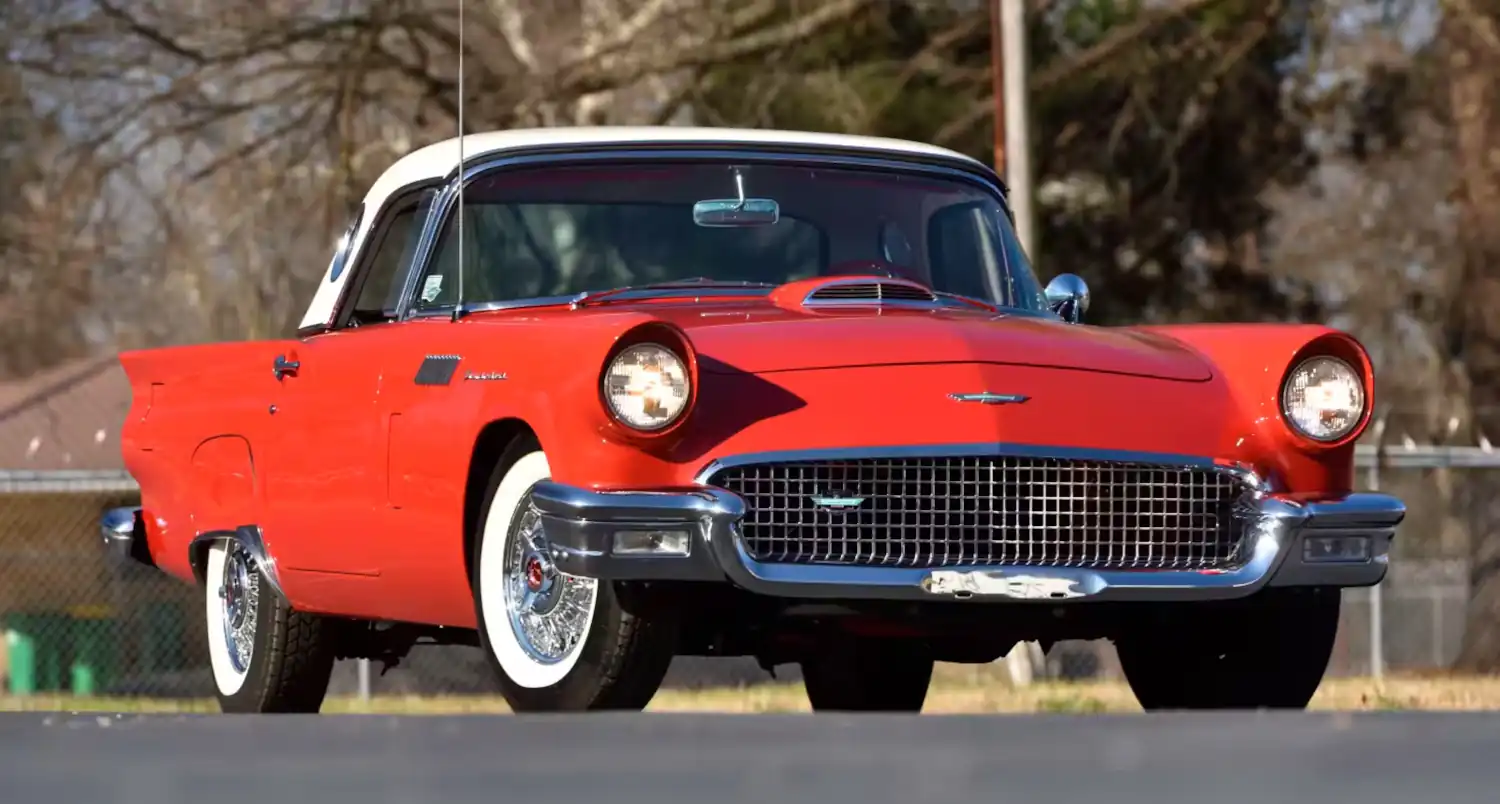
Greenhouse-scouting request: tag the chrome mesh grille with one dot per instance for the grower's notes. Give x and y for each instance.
(926, 512)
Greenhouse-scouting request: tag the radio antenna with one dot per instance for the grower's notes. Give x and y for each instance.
(458, 305)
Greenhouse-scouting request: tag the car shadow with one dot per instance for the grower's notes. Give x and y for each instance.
(730, 400)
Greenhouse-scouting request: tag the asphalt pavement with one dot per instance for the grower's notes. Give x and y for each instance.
(1372, 758)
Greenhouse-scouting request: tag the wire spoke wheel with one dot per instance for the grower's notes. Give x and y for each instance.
(239, 601)
(548, 610)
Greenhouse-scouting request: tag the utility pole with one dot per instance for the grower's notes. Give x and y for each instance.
(997, 82)
(1013, 163)
(1012, 131)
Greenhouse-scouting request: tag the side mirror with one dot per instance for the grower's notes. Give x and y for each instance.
(1068, 296)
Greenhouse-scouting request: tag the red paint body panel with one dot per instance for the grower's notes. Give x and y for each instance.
(184, 398)
(777, 340)
(223, 481)
(359, 476)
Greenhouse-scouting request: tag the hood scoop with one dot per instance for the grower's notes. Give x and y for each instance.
(857, 292)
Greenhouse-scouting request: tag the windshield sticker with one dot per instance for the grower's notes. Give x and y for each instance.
(431, 288)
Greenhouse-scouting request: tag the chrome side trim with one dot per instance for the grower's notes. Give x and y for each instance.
(250, 537)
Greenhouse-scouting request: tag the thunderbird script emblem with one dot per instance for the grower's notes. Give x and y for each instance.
(988, 398)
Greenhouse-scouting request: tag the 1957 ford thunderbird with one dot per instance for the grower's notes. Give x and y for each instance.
(596, 398)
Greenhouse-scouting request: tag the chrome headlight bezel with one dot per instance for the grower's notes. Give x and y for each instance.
(672, 363)
(1358, 411)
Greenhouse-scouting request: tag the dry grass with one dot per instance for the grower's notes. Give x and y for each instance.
(958, 690)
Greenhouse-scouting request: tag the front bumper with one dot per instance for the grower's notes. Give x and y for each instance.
(583, 525)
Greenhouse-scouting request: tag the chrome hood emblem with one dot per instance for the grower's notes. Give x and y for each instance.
(988, 398)
(835, 502)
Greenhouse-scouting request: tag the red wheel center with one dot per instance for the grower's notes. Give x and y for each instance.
(534, 573)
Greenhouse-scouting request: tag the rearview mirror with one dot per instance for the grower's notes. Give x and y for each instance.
(732, 212)
(1068, 296)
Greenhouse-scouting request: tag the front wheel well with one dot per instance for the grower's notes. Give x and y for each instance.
(494, 443)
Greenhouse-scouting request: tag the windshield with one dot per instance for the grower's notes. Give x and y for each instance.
(559, 231)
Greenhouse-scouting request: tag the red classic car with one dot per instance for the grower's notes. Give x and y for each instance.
(675, 391)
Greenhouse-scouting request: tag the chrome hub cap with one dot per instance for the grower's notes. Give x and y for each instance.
(547, 608)
(239, 596)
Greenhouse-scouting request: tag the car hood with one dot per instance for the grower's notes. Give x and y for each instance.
(772, 340)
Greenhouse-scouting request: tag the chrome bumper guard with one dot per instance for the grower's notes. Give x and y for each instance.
(124, 539)
(120, 528)
(692, 536)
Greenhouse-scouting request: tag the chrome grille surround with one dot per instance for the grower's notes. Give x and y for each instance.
(1017, 506)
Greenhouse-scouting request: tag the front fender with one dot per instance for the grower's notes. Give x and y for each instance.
(555, 391)
(1253, 360)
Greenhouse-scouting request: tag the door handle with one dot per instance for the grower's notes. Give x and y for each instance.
(284, 367)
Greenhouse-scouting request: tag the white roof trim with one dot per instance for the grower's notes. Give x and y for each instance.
(441, 158)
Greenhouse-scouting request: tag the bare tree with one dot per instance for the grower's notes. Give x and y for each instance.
(56, 232)
(239, 118)
(1470, 36)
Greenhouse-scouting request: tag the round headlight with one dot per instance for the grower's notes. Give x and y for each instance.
(646, 387)
(1323, 398)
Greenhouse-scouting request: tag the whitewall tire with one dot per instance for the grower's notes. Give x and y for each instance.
(264, 656)
(558, 642)
(232, 600)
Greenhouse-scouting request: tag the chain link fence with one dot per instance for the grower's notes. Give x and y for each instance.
(79, 620)
(75, 621)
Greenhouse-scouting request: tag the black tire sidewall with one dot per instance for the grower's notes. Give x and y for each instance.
(868, 675)
(1276, 654)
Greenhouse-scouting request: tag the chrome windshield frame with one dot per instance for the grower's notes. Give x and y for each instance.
(445, 202)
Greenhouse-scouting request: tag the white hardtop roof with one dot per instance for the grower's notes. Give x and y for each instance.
(440, 158)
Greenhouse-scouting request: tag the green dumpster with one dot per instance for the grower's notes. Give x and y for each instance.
(93, 654)
(21, 648)
(37, 646)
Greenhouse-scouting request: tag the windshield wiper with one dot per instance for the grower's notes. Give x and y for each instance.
(969, 300)
(675, 284)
